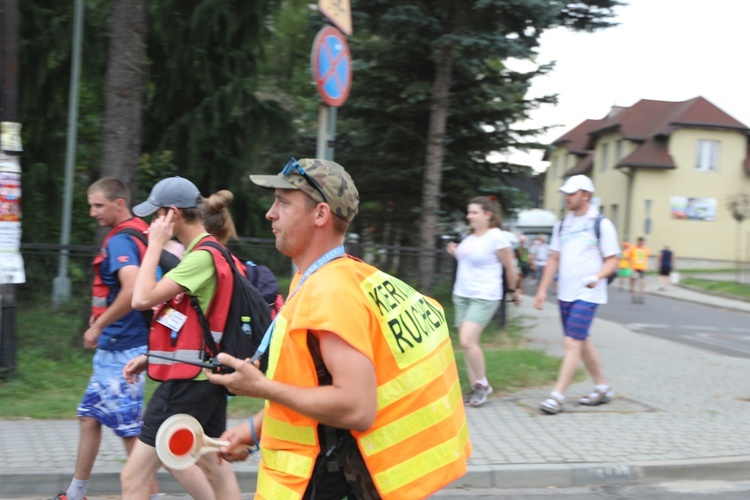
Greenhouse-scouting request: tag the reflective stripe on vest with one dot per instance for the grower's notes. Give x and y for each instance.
(99, 290)
(180, 354)
(190, 342)
(431, 414)
(433, 460)
(419, 441)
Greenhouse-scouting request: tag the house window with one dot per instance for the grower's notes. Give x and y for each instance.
(620, 150)
(707, 157)
(605, 157)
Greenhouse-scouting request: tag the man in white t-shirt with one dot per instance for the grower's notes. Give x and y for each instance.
(583, 263)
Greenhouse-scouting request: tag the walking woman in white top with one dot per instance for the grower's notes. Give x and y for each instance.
(482, 257)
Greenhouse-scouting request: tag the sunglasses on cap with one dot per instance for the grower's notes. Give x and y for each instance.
(292, 165)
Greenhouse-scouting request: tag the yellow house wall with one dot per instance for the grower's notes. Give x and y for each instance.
(611, 184)
(712, 240)
(702, 240)
(560, 161)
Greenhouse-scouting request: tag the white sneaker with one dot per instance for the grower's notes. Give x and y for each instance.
(480, 394)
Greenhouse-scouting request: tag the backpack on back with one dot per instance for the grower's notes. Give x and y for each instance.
(598, 232)
(266, 282)
(248, 318)
(167, 260)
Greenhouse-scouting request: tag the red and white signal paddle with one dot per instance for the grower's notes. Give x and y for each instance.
(180, 442)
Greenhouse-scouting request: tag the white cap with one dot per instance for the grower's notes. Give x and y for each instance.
(577, 183)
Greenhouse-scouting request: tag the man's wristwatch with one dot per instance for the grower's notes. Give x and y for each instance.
(511, 290)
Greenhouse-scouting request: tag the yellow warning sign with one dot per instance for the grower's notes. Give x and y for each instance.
(338, 12)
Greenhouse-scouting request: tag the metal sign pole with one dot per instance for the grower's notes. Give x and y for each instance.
(332, 112)
(322, 144)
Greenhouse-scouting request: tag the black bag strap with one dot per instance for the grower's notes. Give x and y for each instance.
(167, 260)
(202, 319)
(598, 226)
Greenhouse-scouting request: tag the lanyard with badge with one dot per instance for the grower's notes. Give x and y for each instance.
(325, 259)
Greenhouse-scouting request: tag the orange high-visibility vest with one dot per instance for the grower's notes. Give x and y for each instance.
(99, 290)
(420, 439)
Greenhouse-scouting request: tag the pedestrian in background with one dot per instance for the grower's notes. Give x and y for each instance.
(666, 266)
(639, 262)
(583, 262)
(484, 257)
(216, 218)
(523, 269)
(624, 271)
(116, 331)
(539, 255)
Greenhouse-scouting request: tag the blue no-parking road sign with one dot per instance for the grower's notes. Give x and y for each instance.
(332, 66)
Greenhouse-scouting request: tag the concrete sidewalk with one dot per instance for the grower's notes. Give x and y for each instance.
(679, 412)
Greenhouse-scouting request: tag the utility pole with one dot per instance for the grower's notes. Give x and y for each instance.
(10, 186)
(61, 283)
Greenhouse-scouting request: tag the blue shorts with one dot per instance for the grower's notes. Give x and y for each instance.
(109, 398)
(576, 318)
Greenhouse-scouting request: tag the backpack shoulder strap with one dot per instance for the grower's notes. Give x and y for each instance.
(556, 229)
(223, 251)
(134, 233)
(598, 226)
(194, 301)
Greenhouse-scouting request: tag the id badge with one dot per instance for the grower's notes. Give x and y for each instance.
(172, 319)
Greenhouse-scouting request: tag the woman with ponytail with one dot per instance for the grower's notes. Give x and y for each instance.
(483, 257)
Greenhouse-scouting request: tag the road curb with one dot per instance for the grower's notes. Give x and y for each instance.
(592, 474)
(106, 481)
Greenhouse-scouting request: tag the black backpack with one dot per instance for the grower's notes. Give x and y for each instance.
(167, 260)
(266, 282)
(241, 337)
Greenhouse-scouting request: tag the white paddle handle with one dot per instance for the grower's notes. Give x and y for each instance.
(212, 444)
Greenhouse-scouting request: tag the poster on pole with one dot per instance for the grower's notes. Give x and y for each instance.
(11, 260)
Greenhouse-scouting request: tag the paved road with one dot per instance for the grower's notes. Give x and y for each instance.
(681, 315)
(727, 332)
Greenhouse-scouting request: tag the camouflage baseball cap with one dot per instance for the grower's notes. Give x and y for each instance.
(322, 180)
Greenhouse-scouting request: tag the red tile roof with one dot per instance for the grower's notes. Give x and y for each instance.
(575, 140)
(649, 123)
(651, 154)
(582, 167)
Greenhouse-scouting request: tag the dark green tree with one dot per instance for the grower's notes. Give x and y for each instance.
(432, 71)
(195, 83)
(45, 45)
(203, 101)
(124, 91)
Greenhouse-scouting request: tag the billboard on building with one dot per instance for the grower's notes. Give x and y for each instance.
(686, 208)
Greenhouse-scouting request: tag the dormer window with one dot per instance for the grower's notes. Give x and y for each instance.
(707, 156)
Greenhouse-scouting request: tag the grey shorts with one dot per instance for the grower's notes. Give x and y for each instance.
(477, 311)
